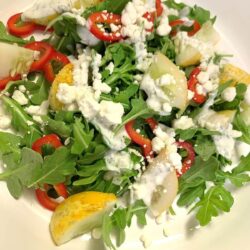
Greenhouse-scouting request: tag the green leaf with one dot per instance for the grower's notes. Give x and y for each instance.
(244, 165)
(239, 124)
(201, 15)
(21, 121)
(174, 5)
(10, 143)
(107, 229)
(216, 199)
(190, 133)
(109, 5)
(56, 168)
(20, 174)
(139, 109)
(82, 137)
(201, 169)
(58, 127)
(7, 38)
(89, 158)
(191, 194)
(204, 147)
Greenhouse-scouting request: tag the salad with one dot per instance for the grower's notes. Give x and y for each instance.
(112, 111)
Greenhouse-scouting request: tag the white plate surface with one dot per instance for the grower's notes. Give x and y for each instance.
(24, 224)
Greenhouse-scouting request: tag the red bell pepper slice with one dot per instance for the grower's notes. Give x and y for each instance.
(137, 138)
(57, 58)
(45, 50)
(51, 139)
(48, 202)
(152, 123)
(195, 29)
(6, 80)
(97, 22)
(19, 28)
(189, 160)
(192, 82)
(150, 18)
(159, 7)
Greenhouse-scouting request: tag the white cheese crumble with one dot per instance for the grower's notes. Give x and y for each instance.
(19, 97)
(66, 93)
(110, 68)
(184, 122)
(164, 28)
(242, 148)
(229, 94)
(164, 139)
(38, 111)
(157, 98)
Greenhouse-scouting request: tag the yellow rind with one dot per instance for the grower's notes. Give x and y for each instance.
(65, 75)
(237, 75)
(68, 220)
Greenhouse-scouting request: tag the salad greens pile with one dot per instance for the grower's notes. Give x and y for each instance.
(80, 162)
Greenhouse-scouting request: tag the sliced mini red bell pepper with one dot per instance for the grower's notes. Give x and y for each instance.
(192, 82)
(51, 139)
(19, 28)
(152, 123)
(159, 7)
(45, 50)
(150, 18)
(6, 80)
(195, 28)
(98, 23)
(56, 58)
(48, 202)
(137, 138)
(189, 160)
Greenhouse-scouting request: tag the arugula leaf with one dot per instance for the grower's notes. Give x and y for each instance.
(21, 121)
(201, 15)
(244, 165)
(161, 43)
(191, 194)
(55, 168)
(190, 133)
(174, 5)
(201, 170)
(90, 157)
(10, 143)
(7, 38)
(239, 124)
(109, 5)
(215, 200)
(19, 175)
(204, 147)
(139, 109)
(119, 219)
(65, 36)
(58, 127)
(82, 137)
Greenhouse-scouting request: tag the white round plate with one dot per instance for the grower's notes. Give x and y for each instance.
(24, 224)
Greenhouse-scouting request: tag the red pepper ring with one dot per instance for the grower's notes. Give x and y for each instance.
(99, 18)
(48, 202)
(192, 82)
(196, 27)
(19, 28)
(189, 160)
(152, 123)
(45, 50)
(48, 67)
(159, 7)
(6, 80)
(150, 18)
(137, 138)
(51, 139)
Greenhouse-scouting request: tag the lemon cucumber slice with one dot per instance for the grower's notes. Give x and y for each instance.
(176, 92)
(79, 214)
(65, 75)
(15, 60)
